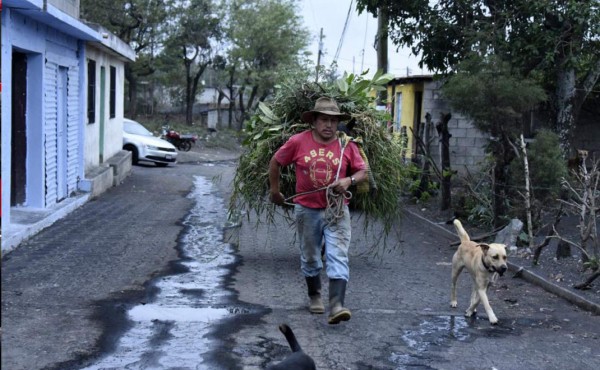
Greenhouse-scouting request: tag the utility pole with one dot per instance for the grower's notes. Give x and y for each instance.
(319, 55)
(362, 60)
(381, 43)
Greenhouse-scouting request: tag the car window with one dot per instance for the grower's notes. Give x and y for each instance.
(135, 129)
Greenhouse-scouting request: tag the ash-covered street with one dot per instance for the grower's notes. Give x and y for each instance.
(152, 276)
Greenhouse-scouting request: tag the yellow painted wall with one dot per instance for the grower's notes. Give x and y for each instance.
(407, 116)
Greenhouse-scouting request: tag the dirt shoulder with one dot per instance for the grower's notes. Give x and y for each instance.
(564, 272)
(213, 147)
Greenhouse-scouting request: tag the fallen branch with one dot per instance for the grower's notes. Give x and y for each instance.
(588, 283)
(557, 236)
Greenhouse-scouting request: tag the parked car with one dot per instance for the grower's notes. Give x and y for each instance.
(144, 146)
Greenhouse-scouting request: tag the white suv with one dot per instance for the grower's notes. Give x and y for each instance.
(146, 147)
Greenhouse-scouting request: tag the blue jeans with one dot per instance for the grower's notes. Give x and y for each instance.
(313, 229)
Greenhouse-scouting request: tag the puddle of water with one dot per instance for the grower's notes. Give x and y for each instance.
(433, 332)
(170, 332)
(152, 312)
(436, 331)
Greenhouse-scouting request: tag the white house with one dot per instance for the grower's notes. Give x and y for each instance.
(105, 162)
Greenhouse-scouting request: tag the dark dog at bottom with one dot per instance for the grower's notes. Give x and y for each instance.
(298, 360)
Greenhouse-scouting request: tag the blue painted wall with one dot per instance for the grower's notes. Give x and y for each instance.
(53, 44)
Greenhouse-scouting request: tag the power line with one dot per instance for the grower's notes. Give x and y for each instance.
(362, 62)
(339, 48)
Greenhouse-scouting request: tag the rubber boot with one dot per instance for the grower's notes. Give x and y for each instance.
(337, 311)
(314, 293)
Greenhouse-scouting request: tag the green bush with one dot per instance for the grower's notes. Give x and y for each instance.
(546, 169)
(412, 185)
(474, 199)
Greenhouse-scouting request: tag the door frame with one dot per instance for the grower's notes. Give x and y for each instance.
(62, 126)
(101, 127)
(18, 148)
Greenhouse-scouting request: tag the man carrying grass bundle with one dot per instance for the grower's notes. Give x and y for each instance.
(325, 168)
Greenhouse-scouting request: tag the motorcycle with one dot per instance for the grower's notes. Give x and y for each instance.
(182, 142)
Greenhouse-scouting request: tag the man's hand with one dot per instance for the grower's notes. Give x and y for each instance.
(340, 186)
(277, 198)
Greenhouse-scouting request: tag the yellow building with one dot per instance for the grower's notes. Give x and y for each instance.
(405, 104)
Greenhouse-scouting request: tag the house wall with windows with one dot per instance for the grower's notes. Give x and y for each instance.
(105, 91)
(43, 50)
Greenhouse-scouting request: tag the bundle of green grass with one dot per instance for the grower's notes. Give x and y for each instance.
(276, 121)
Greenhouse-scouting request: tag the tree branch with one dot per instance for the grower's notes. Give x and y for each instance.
(557, 236)
(588, 282)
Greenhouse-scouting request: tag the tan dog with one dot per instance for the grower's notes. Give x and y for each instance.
(484, 262)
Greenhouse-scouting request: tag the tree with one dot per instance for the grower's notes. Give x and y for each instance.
(138, 23)
(546, 167)
(267, 40)
(193, 32)
(555, 42)
(225, 83)
(495, 98)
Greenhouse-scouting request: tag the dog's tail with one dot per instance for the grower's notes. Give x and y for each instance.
(462, 234)
(291, 338)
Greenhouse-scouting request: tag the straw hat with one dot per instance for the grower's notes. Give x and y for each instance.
(325, 106)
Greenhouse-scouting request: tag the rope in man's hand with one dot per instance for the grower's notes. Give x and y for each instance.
(335, 205)
(335, 202)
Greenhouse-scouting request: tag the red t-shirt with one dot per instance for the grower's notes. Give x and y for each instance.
(317, 165)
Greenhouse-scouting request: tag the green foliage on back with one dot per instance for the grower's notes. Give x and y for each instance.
(276, 121)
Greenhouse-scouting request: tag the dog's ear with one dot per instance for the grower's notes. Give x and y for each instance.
(484, 247)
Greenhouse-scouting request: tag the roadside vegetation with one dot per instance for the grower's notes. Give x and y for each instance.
(501, 62)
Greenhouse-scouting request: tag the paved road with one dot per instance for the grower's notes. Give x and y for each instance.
(66, 292)
(401, 315)
(64, 287)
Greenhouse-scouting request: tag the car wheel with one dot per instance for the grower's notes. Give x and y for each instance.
(186, 146)
(160, 164)
(134, 153)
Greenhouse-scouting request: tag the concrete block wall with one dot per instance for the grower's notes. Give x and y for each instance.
(467, 144)
(71, 7)
(587, 136)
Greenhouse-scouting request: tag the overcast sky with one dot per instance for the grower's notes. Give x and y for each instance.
(360, 35)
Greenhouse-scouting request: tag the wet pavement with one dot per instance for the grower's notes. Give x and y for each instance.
(172, 328)
(401, 313)
(152, 276)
